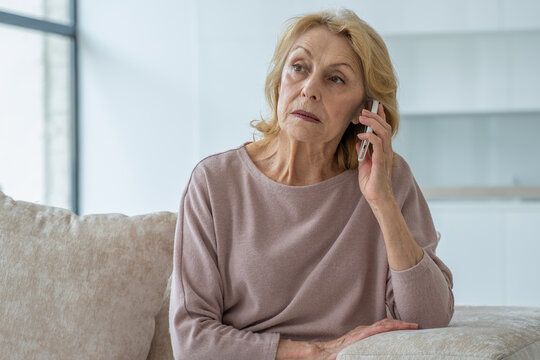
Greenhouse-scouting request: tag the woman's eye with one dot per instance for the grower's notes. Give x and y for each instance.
(297, 67)
(337, 80)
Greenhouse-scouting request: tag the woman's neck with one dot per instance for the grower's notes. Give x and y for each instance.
(294, 163)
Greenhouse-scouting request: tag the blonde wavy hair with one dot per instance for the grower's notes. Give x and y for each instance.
(377, 73)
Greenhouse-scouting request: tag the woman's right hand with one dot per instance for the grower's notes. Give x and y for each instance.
(330, 349)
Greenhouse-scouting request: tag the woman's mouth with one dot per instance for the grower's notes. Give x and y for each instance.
(307, 116)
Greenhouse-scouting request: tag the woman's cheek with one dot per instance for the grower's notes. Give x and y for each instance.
(283, 99)
(281, 104)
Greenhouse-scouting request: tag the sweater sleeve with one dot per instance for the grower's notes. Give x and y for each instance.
(197, 299)
(422, 293)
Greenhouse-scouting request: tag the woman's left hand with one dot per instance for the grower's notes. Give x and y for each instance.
(375, 172)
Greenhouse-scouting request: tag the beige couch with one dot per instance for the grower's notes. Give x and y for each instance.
(95, 287)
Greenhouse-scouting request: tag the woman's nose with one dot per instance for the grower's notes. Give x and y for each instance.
(311, 89)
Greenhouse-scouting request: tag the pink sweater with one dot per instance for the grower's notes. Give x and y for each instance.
(255, 260)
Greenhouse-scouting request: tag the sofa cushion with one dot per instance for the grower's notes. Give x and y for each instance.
(505, 333)
(85, 287)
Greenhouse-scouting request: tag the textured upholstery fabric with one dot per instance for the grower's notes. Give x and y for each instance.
(80, 287)
(504, 333)
(161, 344)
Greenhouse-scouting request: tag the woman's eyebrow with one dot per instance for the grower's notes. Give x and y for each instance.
(303, 48)
(342, 64)
(300, 47)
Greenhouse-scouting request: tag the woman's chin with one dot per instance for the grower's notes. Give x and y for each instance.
(303, 131)
(304, 135)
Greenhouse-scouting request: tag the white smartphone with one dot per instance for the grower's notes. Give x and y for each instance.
(364, 146)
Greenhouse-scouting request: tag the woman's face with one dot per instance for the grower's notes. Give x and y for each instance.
(321, 88)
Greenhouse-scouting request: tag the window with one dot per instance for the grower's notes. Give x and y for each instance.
(57, 11)
(38, 122)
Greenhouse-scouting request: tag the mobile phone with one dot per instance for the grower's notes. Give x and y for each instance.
(364, 146)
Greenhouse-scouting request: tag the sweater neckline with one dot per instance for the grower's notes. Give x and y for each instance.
(320, 186)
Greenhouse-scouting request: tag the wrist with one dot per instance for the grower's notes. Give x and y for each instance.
(328, 349)
(290, 350)
(402, 250)
(385, 204)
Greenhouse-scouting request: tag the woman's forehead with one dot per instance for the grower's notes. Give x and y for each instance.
(320, 41)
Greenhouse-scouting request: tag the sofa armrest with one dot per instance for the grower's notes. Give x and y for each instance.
(487, 332)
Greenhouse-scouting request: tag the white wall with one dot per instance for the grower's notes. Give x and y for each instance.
(166, 84)
(138, 120)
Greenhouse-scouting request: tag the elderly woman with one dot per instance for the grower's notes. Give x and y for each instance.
(289, 247)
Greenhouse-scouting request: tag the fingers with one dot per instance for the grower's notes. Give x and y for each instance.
(381, 138)
(376, 142)
(385, 325)
(362, 332)
(372, 138)
(376, 121)
(393, 324)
